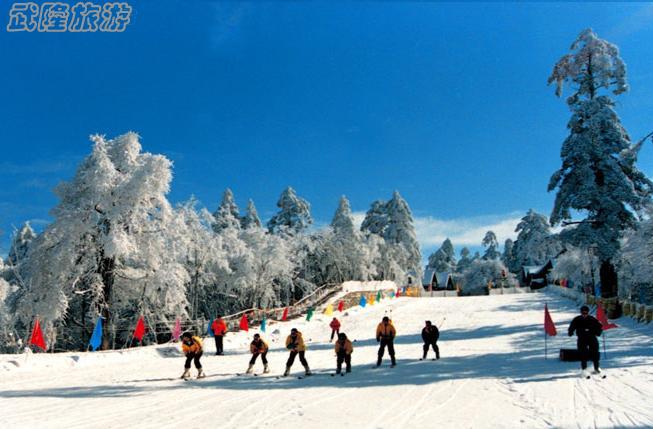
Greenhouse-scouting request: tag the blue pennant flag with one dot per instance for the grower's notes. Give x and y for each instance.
(264, 324)
(96, 338)
(363, 302)
(209, 331)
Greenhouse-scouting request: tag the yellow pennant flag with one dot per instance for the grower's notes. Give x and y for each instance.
(371, 300)
(328, 310)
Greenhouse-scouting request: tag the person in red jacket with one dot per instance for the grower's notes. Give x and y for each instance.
(335, 328)
(219, 328)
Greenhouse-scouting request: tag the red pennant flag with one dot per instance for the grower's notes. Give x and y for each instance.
(601, 317)
(37, 336)
(549, 327)
(244, 324)
(398, 294)
(139, 332)
(284, 317)
(341, 306)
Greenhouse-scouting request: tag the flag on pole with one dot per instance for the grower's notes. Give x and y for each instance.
(378, 296)
(309, 314)
(264, 324)
(176, 331)
(36, 338)
(392, 294)
(341, 306)
(601, 317)
(549, 326)
(329, 310)
(96, 338)
(284, 317)
(363, 301)
(398, 294)
(372, 299)
(139, 332)
(209, 331)
(244, 323)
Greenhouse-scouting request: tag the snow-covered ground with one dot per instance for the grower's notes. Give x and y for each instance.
(492, 375)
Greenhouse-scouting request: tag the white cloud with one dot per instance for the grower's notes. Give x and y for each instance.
(465, 231)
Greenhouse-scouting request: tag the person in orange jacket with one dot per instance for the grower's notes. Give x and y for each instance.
(344, 349)
(191, 345)
(258, 347)
(385, 335)
(219, 328)
(335, 327)
(295, 343)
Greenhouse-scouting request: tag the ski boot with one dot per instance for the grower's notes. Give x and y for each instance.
(308, 370)
(186, 374)
(250, 369)
(287, 372)
(266, 369)
(348, 369)
(200, 373)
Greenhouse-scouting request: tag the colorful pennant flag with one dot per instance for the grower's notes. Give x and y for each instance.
(176, 331)
(329, 310)
(96, 338)
(139, 332)
(601, 317)
(363, 301)
(264, 324)
(36, 339)
(284, 317)
(209, 330)
(378, 296)
(549, 326)
(341, 306)
(309, 314)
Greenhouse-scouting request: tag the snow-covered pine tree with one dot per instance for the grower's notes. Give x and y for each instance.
(227, 215)
(598, 176)
(251, 218)
(400, 231)
(111, 248)
(376, 219)
(464, 261)
(294, 214)
(443, 259)
(636, 262)
(484, 270)
(491, 245)
(535, 243)
(507, 257)
(20, 244)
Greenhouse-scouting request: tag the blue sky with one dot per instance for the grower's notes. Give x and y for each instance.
(447, 103)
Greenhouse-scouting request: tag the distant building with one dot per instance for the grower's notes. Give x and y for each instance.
(433, 280)
(535, 276)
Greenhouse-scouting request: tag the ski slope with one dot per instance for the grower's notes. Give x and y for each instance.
(492, 375)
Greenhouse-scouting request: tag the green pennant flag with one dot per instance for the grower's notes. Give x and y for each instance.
(378, 296)
(309, 314)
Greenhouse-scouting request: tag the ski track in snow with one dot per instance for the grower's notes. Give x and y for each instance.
(492, 374)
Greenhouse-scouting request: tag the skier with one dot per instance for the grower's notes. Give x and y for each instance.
(430, 336)
(219, 328)
(335, 328)
(587, 328)
(192, 348)
(258, 347)
(385, 335)
(344, 349)
(295, 343)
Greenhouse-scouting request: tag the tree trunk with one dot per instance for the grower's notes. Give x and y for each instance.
(609, 289)
(106, 271)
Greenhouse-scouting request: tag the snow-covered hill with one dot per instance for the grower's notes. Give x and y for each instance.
(492, 375)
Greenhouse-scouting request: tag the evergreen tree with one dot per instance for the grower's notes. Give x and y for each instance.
(251, 219)
(401, 231)
(598, 176)
(465, 260)
(491, 245)
(508, 258)
(294, 214)
(20, 244)
(535, 244)
(443, 259)
(227, 215)
(343, 220)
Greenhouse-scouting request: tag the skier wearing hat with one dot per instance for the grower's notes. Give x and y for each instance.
(344, 349)
(295, 343)
(587, 328)
(430, 336)
(191, 345)
(258, 347)
(385, 335)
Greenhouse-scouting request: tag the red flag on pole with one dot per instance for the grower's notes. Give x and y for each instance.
(37, 336)
(398, 294)
(549, 326)
(244, 324)
(341, 306)
(139, 332)
(284, 316)
(601, 317)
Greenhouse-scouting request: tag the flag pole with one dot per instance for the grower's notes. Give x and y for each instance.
(605, 355)
(545, 345)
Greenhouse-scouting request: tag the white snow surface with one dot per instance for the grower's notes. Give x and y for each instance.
(492, 375)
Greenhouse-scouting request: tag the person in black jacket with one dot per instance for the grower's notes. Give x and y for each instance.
(587, 328)
(430, 336)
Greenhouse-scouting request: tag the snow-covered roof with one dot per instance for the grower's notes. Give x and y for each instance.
(443, 279)
(429, 277)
